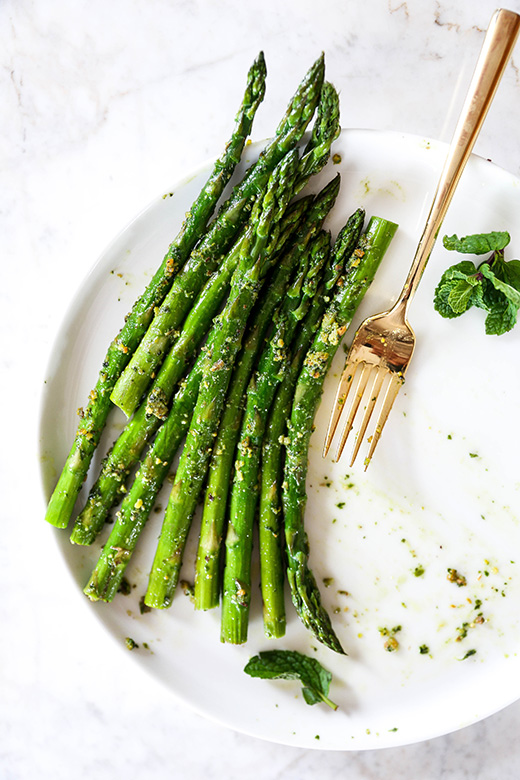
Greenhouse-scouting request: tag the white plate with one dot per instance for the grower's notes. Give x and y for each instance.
(441, 493)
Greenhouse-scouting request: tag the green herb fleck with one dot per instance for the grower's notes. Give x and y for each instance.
(291, 665)
(424, 649)
(125, 588)
(143, 608)
(390, 631)
(130, 643)
(468, 655)
(418, 571)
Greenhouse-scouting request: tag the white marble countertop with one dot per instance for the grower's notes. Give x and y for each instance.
(105, 104)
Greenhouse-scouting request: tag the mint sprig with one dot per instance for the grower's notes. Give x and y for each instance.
(493, 286)
(291, 665)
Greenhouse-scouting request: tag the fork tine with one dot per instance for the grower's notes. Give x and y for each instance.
(345, 385)
(378, 376)
(392, 389)
(360, 391)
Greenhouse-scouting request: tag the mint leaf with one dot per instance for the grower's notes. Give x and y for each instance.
(512, 295)
(457, 289)
(440, 302)
(461, 270)
(460, 293)
(478, 244)
(291, 665)
(501, 318)
(508, 271)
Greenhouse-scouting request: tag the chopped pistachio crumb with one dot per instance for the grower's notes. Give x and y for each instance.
(458, 579)
(391, 644)
(462, 631)
(187, 588)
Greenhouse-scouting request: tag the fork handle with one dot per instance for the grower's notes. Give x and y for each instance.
(495, 53)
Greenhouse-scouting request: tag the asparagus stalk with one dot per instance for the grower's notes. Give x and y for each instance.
(207, 582)
(109, 487)
(119, 352)
(326, 129)
(134, 381)
(270, 522)
(360, 272)
(229, 330)
(262, 387)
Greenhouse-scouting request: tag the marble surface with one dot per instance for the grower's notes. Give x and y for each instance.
(104, 106)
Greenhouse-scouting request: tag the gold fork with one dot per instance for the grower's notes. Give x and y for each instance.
(383, 345)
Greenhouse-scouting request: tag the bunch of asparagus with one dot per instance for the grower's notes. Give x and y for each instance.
(222, 360)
